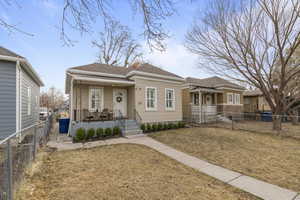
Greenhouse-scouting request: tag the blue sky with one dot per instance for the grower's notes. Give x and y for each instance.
(46, 53)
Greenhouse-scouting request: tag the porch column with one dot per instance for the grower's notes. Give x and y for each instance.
(71, 106)
(200, 106)
(216, 98)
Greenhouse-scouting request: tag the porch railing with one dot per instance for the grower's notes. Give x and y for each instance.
(137, 117)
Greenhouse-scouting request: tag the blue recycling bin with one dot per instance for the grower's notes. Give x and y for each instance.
(64, 125)
(266, 116)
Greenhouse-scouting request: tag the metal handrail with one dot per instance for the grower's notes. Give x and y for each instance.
(137, 116)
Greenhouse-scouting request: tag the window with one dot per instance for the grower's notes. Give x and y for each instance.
(95, 99)
(28, 101)
(237, 99)
(230, 98)
(233, 99)
(170, 99)
(151, 98)
(195, 98)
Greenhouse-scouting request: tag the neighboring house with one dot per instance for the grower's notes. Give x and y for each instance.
(254, 102)
(141, 93)
(207, 97)
(19, 93)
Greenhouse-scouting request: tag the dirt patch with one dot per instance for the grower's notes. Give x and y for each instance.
(123, 171)
(266, 157)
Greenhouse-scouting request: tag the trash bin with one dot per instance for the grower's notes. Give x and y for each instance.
(266, 116)
(64, 125)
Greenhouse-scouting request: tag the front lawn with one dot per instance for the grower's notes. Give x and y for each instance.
(124, 171)
(267, 157)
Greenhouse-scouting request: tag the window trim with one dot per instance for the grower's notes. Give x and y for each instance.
(155, 99)
(173, 99)
(29, 102)
(90, 98)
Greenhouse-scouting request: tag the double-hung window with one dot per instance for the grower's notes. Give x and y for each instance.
(230, 98)
(151, 98)
(95, 99)
(170, 99)
(28, 101)
(237, 99)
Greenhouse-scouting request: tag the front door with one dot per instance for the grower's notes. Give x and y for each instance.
(120, 102)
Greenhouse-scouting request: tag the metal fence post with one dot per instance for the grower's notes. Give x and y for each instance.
(34, 143)
(9, 171)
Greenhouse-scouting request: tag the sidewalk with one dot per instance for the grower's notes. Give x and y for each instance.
(256, 187)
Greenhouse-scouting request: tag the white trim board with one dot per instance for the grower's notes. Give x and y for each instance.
(95, 73)
(103, 80)
(132, 73)
(155, 79)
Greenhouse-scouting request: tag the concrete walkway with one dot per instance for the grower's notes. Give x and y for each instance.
(256, 187)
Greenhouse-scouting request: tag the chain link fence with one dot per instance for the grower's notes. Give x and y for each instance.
(255, 122)
(17, 152)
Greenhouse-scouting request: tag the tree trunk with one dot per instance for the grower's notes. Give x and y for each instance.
(294, 117)
(277, 122)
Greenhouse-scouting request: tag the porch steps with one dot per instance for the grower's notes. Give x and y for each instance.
(131, 128)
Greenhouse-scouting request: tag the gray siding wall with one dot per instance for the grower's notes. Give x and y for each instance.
(7, 98)
(27, 81)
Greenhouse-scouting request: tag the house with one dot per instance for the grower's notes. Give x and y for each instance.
(254, 102)
(19, 93)
(203, 99)
(104, 96)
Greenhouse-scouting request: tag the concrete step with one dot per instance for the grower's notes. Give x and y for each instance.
(135, 136)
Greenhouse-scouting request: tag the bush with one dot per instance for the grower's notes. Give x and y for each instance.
(108, 132)
(170, 126)
(154, 127)
(80, 135)
(100, 132)
(149, 128)
(165, 126)
(116, 131)
(90, 133)
(181, 124)
(174, 126)
(159, 127)
(143, 127)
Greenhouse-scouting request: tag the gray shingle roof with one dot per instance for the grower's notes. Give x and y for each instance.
(6, 52)
(255, 92)
(212, 82)
(103, 68)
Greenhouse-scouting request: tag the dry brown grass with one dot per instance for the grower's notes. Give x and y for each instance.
(267, 157)
(263, 127)
(123, 171)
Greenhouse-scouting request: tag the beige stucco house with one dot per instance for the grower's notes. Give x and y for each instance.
(141, 93)
(254, 102)
(203, 98)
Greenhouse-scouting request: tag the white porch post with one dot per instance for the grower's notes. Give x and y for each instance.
(200, 106)
(71, 106)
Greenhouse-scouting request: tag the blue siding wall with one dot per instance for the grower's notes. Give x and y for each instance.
(27, 81)
(7, 98)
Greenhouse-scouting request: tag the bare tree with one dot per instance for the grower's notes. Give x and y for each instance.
(116, 45)
(252, 42)
(52, 99)
(81, 15)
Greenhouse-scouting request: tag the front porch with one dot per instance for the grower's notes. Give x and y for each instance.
(102, 103)
(203, 106)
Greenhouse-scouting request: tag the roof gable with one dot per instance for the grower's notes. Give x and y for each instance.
(6, 52)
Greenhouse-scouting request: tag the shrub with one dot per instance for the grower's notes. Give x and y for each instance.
(116, 131)
(80, 135)
(149, 128)
(174, 126)
(165, 126)
(108, 132)
(100, 132)
(90, 133)
(154, 127)
(181, 124)
(159, 127)
(143, 127)
(170, 126)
